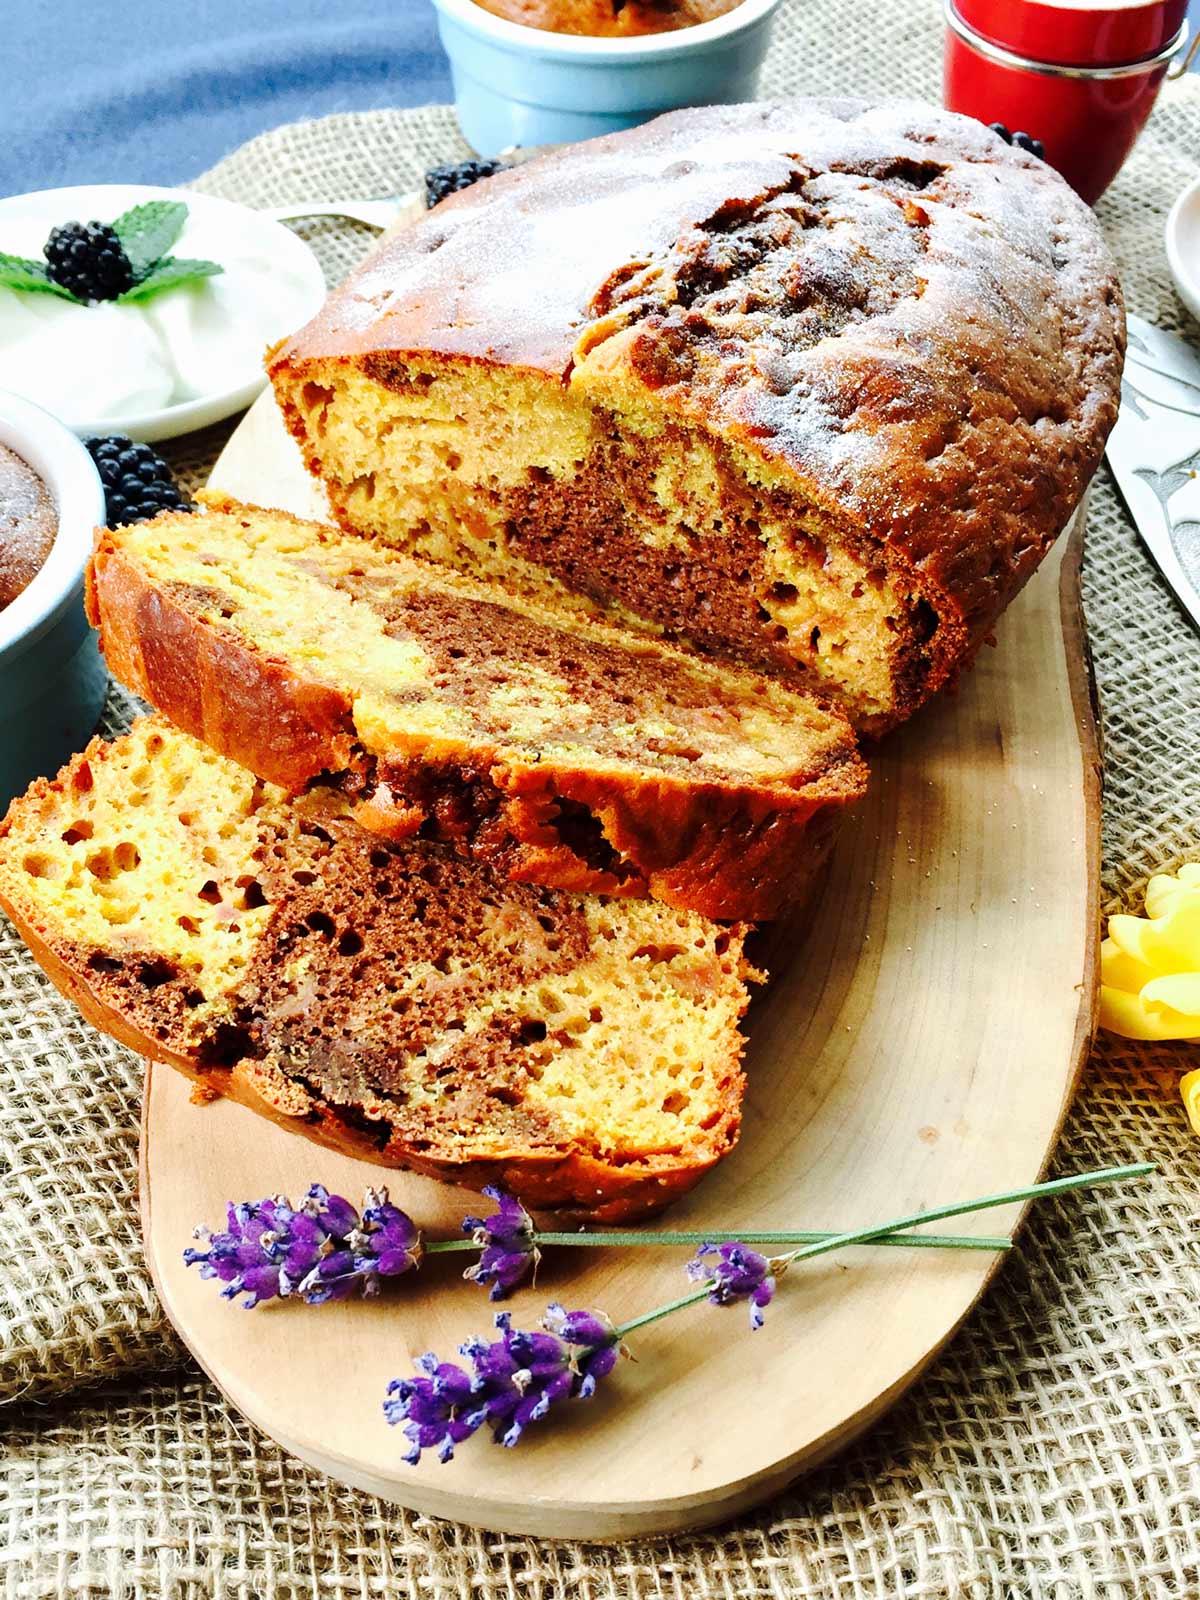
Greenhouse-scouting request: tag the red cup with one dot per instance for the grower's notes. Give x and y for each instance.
(1082, 79)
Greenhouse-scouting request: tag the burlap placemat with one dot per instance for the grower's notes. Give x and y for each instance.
(1051, 1451)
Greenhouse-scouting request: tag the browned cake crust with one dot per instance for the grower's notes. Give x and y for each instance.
(397, 1004)
(915, 329)
(728, 846)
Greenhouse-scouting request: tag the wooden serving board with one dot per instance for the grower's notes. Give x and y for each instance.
(920, 1045)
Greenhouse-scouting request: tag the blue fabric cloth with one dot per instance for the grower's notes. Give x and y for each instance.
(156, 92)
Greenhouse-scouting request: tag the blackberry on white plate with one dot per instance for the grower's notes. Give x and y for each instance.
(88, 260)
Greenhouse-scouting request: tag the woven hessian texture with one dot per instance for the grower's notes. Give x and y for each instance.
(1051, 1451)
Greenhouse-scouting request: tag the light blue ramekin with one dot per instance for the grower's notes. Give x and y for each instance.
(517, 85)
(52, 676)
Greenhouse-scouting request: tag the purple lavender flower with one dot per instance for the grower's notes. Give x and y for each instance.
(241, 1256)
(319, 1250)
(389, 1241)
(436, 1409)
(330, 1211)
(335, 1277)
(294, 1243)
(738, 1273)
(509, 1243)
(384, 1244)
(517, 1379)
(596, 1346)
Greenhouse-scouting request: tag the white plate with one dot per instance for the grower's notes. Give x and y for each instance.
(301, 291)
(1183, 246)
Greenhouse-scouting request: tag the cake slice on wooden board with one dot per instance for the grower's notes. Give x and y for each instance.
(396, 1002)
(555, 747)
(812, 385)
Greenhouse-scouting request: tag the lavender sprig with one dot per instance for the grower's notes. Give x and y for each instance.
(319, 1250)
(520, 1377)
(869, 1235)
(517, 1379)
(322, 1250)
(509, 1242)
(738, 1273)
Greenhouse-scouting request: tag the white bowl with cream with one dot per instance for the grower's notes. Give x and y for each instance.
(186, 358)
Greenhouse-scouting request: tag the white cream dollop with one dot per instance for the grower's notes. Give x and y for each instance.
(110, 365)
(109, 362)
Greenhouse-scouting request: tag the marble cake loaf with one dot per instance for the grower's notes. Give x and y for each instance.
(559, 749)
(809, 385)
(396, 1002)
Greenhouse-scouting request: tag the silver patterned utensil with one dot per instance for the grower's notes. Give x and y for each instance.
(1154, 452)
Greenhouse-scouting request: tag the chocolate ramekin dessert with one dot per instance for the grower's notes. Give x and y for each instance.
(28, 525)
(609, 19)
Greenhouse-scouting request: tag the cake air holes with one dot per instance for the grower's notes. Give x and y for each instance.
(250, 895)
(40, 866)
(153, 974)
(110, 861)
(316, 400)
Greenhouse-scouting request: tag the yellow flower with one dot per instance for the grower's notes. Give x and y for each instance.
(1150, 966)
(1189, 1088)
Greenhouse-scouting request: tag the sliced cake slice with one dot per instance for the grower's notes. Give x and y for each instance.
(396, 1002)
(557, 748)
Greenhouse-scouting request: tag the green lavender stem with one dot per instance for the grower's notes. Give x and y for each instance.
(921, 1241)
(1081, 1180)
(932, 1241)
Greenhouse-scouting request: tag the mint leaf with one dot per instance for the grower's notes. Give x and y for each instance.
(148, 231)
(17, 272)
(169, 273)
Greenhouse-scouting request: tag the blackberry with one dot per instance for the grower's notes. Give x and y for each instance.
(456, 175)
(88, 260)
(1002, 131)
(138, 483)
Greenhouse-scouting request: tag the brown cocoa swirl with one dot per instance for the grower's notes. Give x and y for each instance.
(350, 917)
(920, 323)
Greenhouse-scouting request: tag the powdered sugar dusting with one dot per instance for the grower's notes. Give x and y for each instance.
(909, 322)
